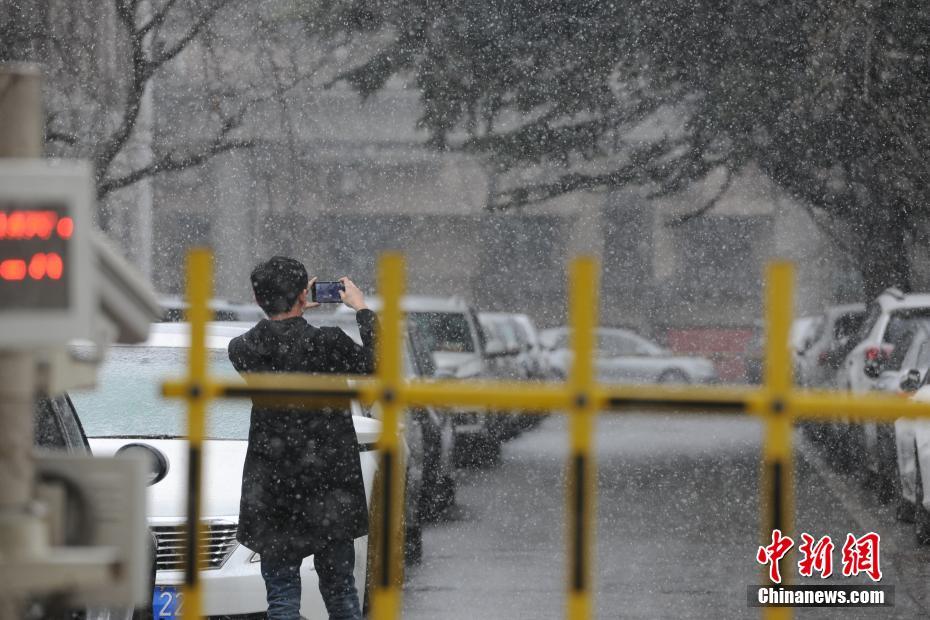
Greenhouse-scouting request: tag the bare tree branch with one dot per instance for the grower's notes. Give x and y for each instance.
(108, 149)
(142, 69)
(199, 24)
(61, 136)
(172, 162)
(565, 184)
(157, 19)
(126, 11)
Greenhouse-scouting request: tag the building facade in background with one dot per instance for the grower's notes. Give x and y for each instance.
(335, 181)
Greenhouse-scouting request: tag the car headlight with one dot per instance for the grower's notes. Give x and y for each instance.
(254, 558)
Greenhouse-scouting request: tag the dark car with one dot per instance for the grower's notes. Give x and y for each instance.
(57, 427)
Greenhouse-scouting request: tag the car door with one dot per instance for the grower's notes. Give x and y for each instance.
(616, 358)
(650, 361)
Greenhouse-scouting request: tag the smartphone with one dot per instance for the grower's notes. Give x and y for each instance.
(326, 292)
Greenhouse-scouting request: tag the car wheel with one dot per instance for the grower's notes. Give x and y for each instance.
(921, 515)
(888, 481)
(674, 375)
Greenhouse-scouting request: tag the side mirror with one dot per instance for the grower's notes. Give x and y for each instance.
(156, 460)
(911, 381)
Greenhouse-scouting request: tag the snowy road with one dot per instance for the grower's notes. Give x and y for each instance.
(678, 528)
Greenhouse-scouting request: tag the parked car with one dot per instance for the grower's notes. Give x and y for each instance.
(913, 444)
(817, 361)
(127, 408)
(428, 433)
(882, 463)
(448, 327)
(174, 310)
(624, 356)
(823, 350)
(802, 331)
(537, 360)
(881, 341)
(503, 346)
(888, 319)
(509, 355)
(902, 463)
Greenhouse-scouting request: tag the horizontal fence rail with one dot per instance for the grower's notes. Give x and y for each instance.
(777, 402)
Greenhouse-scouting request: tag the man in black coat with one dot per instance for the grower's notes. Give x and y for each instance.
(302, 489)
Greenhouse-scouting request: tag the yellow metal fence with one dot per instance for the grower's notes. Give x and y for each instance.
(580, 397)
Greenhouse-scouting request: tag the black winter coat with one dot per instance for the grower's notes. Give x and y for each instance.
(302, 478)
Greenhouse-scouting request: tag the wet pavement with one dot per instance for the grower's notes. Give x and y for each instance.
(678, 528)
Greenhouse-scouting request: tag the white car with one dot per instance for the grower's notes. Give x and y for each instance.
(538, 361)
(913, 445)
(889, 319)
(448, 327)
(822, 351)
(127, 408)
(624, 356)
(174, 310)
(500, 334)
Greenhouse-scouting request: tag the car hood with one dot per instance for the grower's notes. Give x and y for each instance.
(222, 476)
(222, 460)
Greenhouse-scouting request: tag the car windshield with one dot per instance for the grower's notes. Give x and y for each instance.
(127, 400)
(904, 322)
(443, 331)
(848, 325)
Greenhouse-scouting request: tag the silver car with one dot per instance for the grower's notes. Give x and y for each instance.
(624, 356)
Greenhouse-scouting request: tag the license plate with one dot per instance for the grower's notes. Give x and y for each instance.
(167, 602)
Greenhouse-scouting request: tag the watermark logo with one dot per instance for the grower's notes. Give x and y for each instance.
(859, 555)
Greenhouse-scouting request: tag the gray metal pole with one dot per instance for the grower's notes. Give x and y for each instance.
(22, 129)
(21, 135)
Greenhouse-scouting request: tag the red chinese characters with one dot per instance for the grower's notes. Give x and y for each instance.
(861, 555)
(816, 557)
(773, 553)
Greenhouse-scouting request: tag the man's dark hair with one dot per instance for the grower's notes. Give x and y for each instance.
(277, 283)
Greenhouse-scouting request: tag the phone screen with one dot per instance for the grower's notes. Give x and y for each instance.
(327, 292)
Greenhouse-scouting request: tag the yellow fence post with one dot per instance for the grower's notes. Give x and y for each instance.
(581, 479)
(390, 489)
(777, 501)
(581, 397)
(199, 283)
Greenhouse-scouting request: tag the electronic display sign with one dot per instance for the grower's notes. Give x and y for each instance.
(47, 287)
(35, 239)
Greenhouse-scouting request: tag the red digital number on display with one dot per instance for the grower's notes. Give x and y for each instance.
(34, 226)
(26, 225)
(39, 267)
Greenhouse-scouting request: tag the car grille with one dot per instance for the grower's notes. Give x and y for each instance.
(219, 541)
